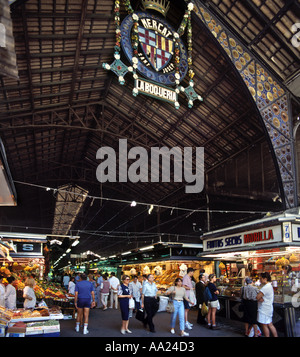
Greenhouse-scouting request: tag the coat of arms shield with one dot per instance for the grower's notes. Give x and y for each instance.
(157, 48)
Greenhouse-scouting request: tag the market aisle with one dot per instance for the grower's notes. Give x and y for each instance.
(107, 324)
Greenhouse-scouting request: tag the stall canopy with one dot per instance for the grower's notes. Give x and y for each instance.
(274, 231)
(21, 246)
(8, 195)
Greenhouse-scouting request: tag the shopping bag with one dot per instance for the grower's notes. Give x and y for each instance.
(140, 314)
(192, 298)
(251, 332)
(131, 303)
(170, 307)
(163, 303)
(204, 309)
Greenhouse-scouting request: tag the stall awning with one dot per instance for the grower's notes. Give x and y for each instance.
(270, 232)
(23, 245)
(5, 249)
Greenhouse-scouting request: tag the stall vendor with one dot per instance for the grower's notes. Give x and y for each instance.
(2, 292)
(10, 294)
(29, 294)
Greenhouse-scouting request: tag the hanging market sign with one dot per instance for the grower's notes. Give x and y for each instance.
(250, 238)
(28, 248)
(295, 232)
(155, 90)
(154, 50)
(25, 246)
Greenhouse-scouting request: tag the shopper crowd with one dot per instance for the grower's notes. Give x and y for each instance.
(141, 297)
(131, 296)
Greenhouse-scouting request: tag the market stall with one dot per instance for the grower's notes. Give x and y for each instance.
(22, 258)
(266, 245)
(25, 250)
(166, 261)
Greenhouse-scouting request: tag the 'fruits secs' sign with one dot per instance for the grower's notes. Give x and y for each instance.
(266, 235)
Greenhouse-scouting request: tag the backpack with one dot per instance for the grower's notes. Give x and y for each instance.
(207, 295)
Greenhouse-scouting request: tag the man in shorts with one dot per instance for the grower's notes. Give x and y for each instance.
(84, 300)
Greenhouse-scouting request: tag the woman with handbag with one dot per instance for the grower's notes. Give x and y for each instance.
(124, 294)
(178, 293)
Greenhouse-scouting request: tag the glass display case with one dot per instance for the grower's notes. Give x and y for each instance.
(286, 287)
(282, 264)
(230, 287)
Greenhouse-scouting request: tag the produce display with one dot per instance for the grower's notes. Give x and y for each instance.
(34, 328)
(7, 315)
(282, 261)
(5, 271)
(293, 259)
(37, 321)
(52, 293)
(40, 320)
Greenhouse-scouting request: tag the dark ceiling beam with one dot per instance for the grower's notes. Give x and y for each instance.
(47, 109)
(270, 24)
(51, 37)
(78, 48)
(245, 148)
(63, 15)
(27, 51)
(64, 69)
(182, 119)
(64, 54)
(64, 126)
(220, 16)
(124, 115)
(51, 95)
(62, 173)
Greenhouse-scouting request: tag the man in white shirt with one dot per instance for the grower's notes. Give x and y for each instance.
(137, 291)
(114, 284)
(71, 286)
(66, 280)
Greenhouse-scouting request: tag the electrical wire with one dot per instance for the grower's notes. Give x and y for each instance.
(140, 203)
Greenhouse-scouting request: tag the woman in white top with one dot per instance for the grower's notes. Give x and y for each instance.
(10, 294)
(71, 286)
(29, 294)
(265, 299)
(179, 294)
